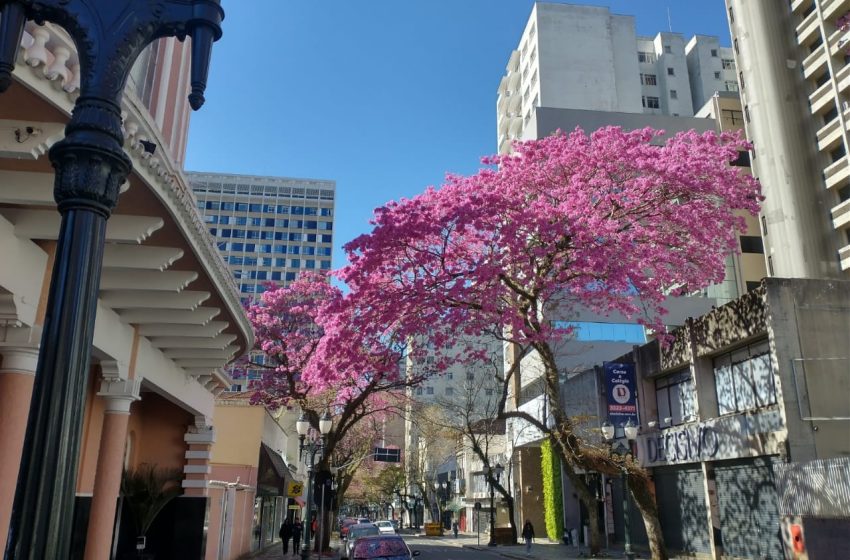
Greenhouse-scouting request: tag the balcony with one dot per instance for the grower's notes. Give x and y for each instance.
(814, 61)
(844, 257)
(841, 215)
(807, 28)
(513, 62)
(829, 135)
(800, 5)
(834, 8)
(821, 97)
(503, 85)
(836, 173)
(838, 41)
(513, 81)
(842, 78)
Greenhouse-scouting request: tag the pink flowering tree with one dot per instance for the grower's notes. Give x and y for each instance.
(310, 357)
(611, 221)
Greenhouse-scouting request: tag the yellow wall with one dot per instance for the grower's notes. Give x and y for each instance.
(238, 433)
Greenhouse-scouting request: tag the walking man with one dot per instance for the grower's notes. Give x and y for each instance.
(298, 534)
(528, 536)
(285, 534)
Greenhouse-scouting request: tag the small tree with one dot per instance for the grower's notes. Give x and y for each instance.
(608, 222)
(146, 490)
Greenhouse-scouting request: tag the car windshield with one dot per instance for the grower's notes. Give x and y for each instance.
(355, 532)
(380, 548)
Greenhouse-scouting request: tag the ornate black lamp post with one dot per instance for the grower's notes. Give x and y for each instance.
(312, 448)
(630, 430)
(494, 474)
(90, 167)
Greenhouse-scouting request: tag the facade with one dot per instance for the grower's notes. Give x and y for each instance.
(168, 314)
(734, 416)
(797, 122)
(585, 58)
(267, 228)
(254, 461)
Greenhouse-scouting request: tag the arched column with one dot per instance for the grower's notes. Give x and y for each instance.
(118, 394)
(17, 374)
(200, 438)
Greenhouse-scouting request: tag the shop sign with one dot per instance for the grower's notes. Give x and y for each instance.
(620, 393)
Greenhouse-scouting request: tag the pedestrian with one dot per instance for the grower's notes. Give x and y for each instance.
(297, 533)
(528, 536)
(285, 534)
(454, 528)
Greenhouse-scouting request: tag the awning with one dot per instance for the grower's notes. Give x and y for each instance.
(277, 461)
(299, 501)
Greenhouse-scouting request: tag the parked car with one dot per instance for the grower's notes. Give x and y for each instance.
(345, 523)
(386, 527)
(395, 524)
(355, 532)
(386, 547)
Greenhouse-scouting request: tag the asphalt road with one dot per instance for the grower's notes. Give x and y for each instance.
(446, 548)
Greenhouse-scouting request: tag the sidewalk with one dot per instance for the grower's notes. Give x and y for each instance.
(541, 549)
(275, 552)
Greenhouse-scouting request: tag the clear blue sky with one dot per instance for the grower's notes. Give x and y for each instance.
(382, 96)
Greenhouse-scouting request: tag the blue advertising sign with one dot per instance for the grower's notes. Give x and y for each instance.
(620, 393)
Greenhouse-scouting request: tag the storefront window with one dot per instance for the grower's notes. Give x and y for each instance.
(744, 379)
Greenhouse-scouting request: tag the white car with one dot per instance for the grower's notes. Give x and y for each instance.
(385, 527)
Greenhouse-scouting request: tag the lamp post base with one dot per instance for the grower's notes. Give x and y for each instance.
(629, 555)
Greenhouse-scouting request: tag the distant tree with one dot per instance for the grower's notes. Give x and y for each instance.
(612, 222)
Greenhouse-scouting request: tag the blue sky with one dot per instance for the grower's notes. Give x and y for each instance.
(382, 96)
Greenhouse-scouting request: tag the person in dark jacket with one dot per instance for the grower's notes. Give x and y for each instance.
(297, 533)
(528, 536)
(285, 534)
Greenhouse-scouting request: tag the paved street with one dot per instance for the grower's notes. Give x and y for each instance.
(466, 547)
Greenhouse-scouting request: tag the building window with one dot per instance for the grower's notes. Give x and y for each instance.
(450, 391)
(717, 75)
(418, 390)
(735, 44)
(670, 71)
(648, 79)
(751, 244)
(743, 159)
(731, 85)
(650, 102)
(744, 379)
(488, 392)
(386, 455)
(429, 390)
(727, 63)
(731, 15)
(668, 49)
(676, 399)
(674, 94)
(734, 117)
(770, 265)
(752, 285)
(714, 53)
(647, 57)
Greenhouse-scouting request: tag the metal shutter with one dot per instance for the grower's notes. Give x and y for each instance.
(749, 509)
(682, 509)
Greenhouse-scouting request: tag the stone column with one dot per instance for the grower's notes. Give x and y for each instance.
(118, 395)
(200, 438)
(16, 380)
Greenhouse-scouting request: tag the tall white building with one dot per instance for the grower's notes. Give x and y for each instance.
(267, 228)
(795, 89)
(586, 58)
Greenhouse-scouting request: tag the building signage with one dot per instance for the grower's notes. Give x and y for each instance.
(294, 489)
(716, 439)
(620, 393)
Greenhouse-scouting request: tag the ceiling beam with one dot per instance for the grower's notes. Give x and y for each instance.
(219, 341)
(166, 329)
(224, 353)
(199, 316)
(44, 224)
(31, 188)
(136, 256)
(140, 279)
(152, 299)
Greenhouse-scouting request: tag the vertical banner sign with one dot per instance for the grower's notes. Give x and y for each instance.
(620, 392)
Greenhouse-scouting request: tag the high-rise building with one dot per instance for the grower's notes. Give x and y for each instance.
(268, 229)
(586, 58)
(795, 89)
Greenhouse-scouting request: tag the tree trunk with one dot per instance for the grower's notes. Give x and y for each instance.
(511, 516)
(645, 501)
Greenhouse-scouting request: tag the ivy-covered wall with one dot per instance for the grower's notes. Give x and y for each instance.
(552, 494)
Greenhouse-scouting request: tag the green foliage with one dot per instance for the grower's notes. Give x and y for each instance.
(553, 498)
(146, 490)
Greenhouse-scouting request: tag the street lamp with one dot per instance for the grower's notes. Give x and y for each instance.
(308, 449)
(91, 166)
(497, 473)
(630, 430)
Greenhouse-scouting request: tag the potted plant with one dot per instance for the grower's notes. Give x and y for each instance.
(146, 490)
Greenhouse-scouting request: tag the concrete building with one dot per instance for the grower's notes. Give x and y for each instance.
(794, 80)
(267, 228)
(585, 58)
(168, 314)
